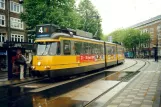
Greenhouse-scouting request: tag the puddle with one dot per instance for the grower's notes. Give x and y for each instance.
(120, 75)
(57, 102)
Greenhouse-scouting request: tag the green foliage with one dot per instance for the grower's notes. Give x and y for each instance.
(90, 18)
(132, 39)
(59, 12)
(63, 13)
(118, 35)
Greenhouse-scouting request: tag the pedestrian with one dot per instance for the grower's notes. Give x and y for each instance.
(21, 60)
(14, 65)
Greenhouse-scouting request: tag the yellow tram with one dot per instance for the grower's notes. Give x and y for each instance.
(62, 52)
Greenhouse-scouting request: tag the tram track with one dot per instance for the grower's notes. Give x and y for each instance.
(59, 83)
(43, 87)
(72, 85)
(90, 103)
(75, 79)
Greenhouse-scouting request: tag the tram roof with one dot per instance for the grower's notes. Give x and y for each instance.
(57, 35)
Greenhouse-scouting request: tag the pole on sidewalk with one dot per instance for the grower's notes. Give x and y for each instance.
(21, 71)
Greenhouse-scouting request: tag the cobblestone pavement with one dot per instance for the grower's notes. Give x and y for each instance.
(143, 91)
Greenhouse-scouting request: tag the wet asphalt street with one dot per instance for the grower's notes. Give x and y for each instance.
(75, 94)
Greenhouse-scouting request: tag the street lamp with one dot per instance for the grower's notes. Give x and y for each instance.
(8, 25)
(149, 48)
(156, 49)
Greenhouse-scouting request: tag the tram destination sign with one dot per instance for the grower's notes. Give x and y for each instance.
(46, 30)
(43, 31)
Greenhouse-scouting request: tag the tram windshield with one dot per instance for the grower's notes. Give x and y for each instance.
(48, 48)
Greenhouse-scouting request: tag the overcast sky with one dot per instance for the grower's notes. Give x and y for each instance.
(124, 13)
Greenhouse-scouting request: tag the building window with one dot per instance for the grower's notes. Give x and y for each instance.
(159, 35)
(2, 37)
(151, 30)
(30, 40)
(2, 4)
(2, 20)
(17, 38)
(15, 7)
(159, 28)
(145, 30)
(16, 23)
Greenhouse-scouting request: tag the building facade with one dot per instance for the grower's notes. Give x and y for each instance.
(13, 31)
(152, 26)
(11, 26)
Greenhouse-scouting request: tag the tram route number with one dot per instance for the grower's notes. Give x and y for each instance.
(41, 30)
(44, 29)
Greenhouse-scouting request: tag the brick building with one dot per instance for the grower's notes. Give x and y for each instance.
(10, 22)
(152, 26)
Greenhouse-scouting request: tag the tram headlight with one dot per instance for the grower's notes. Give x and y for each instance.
(39, 63)
(33, 67)
(47, 67)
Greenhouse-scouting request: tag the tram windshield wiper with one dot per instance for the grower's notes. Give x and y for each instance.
(47, 47)
(43, 48)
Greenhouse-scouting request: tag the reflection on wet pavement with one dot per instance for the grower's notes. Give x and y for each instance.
(118, 75)
(75, 98)
(57, 102)
(82, 95)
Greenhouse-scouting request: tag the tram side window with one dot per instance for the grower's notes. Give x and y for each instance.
(67, 47)
(78, 47)
(110, 50)
(99, 49)
(96, 49)
(114, 50)
(86, 48)
(107, 50)
(90, 48)
(123, 50)
(102, 49)
(119, 51)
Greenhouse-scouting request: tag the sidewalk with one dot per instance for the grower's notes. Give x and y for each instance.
(15, 80)
(144, 91)
(7, 82)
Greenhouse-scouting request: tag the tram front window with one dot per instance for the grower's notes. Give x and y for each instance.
(48, 48)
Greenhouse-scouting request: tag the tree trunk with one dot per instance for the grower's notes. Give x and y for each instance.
(134, 51)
